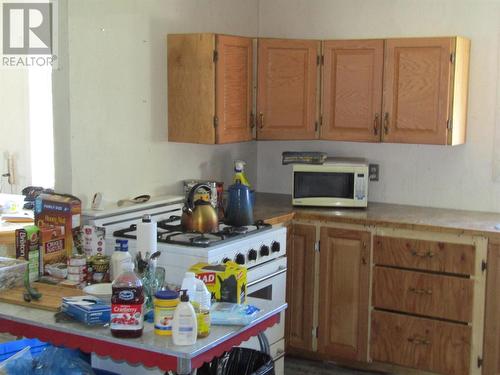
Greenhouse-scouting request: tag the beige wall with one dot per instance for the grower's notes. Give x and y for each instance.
(458, 177)
(118, 96)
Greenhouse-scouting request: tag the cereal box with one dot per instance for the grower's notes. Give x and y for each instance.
(28, 248)
(52, 247)
(227, 282)
(60, 210)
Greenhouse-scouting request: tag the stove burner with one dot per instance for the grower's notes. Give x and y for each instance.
(200, 240)
(234, 230)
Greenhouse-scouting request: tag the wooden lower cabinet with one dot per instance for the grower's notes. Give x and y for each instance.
(492, 314)
(300, 286)
(425, 344)
(343, 293)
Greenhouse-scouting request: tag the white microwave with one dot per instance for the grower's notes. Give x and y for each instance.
(338, 182)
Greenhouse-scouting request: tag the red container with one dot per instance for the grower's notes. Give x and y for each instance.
(127, 306)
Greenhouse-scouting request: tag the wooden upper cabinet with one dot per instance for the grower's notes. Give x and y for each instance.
(287, 89)
(209, 88)
(300, 287)
(352, 90)
(233, 87)
(425, 90)
(344, 293)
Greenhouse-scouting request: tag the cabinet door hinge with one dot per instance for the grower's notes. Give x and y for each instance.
(316, 126)
(484, 265)
(479, 362)
(315, 332)
(449, 124)
(216, 121)
(452, 58)
(321, 120)
(316, 246)
(216, 55)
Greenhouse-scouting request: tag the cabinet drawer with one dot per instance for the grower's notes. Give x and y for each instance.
(420, 343)
(440, 296)
(426, 255)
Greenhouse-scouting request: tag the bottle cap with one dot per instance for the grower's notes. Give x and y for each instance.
(121, 245)
(146, 218)
(184, 296)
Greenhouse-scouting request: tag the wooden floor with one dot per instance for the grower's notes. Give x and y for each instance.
(295, 366)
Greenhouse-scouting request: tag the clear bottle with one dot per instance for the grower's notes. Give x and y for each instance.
(120, 258)
(203, 300)
(184, 324)
(127, 304)
(189, 284)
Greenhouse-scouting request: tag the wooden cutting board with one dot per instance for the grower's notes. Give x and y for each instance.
(51, 296)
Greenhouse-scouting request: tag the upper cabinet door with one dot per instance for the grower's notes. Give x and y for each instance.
(287, 85)
(417, 90)
(233, 80)
(352, 90)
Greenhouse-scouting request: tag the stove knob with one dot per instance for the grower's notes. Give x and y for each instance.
(275, 247)
(252, 254)
(225, 260)
(264, 250)
(240, 259)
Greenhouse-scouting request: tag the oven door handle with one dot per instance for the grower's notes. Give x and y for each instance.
(281, 270)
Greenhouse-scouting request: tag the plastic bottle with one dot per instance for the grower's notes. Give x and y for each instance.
(165, 302)
(120, 258)
(239, 173)
(127, 300)
(203, 299)
(184, 324)
(189, 284)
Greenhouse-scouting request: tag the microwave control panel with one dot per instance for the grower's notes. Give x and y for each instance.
(360, 186)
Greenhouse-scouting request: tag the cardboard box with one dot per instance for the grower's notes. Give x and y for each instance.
(227, 282)
(52, 247)
(87, 309)
(28, 248)
(60, 210)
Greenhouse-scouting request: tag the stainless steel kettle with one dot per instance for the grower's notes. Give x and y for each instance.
(199, 216)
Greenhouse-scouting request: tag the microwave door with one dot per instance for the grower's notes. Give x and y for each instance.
(339, 185)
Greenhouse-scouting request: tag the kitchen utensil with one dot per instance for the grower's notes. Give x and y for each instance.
(199, 216)
(139, 199)
(239, 210)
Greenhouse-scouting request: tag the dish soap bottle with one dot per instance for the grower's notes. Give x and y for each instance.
(184, 324)
(239, 173)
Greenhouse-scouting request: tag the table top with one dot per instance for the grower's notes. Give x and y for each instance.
(149, 341)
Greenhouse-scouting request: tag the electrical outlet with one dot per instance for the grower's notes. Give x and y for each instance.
(373, 172)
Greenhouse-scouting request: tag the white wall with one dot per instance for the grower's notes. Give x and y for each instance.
(456, 177)
(118, 95)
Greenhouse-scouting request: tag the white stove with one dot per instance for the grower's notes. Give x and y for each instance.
(260, 247)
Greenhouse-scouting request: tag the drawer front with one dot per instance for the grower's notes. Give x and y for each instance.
(424, 255)
(440, 296)
(424, 344)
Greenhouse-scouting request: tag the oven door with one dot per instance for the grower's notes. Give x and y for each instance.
(268, 282)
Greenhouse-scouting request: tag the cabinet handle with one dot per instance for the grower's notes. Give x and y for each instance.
(420, 291)
(386, 123)
(426, 254)
(252, 120)
(375, 124)
(419, 340)
(363, 260)
(261, 118)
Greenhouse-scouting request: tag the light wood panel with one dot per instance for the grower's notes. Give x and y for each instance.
(234, 88)
(300, 286)
(425, 344)
(424, 255)
(492, 313)
(343, 294)
(191, 88)
(352, 90)
(286, 94)
(460, 92)
(417, 90)
(419, 293)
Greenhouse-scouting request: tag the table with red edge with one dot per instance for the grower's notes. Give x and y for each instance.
(149, 350)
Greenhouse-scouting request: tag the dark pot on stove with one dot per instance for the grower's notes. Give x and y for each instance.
(199, 216)
(239, 211)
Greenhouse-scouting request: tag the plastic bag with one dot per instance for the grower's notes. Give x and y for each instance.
(239, 361)
(60, 361)
(225, 313)
(19, 363)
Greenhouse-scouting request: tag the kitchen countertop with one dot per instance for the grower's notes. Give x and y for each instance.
(277, 208)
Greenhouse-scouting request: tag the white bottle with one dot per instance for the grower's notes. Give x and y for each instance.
(189, 284)
(120, 259)
(184, 323)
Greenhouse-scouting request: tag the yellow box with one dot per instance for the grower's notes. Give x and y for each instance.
(227, 282)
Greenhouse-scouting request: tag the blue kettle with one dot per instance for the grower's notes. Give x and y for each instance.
(239, 211)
